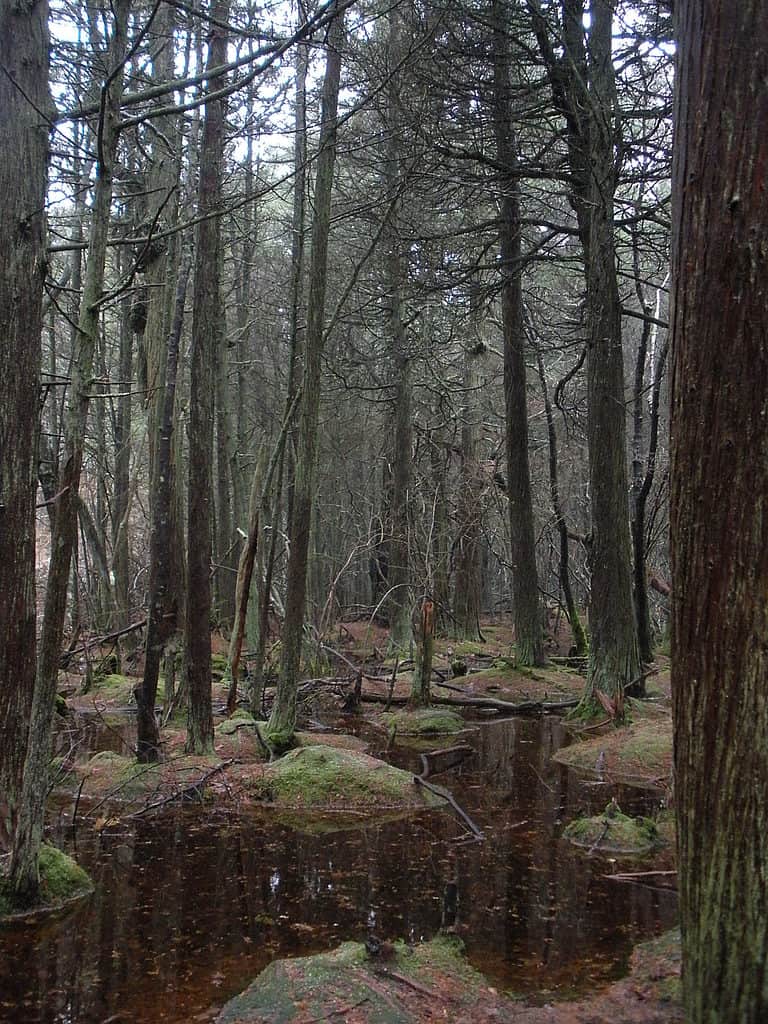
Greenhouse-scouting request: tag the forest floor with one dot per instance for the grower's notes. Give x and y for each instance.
(469, 673)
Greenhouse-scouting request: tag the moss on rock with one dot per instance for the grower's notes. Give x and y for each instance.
(346, 981)
(323, 777)
(424, 722)
(614, 832)
(61, 880)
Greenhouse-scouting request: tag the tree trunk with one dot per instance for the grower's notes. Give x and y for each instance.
(226, 540)
(615, 660)
(719, 496)
(23, 171)
(529, 633)
(282, 721)
(399, 575)
(205, 337)
(162, 612)
(563, 570)
(63, 540)
(466, 602)
(122, 444)
(424, 633)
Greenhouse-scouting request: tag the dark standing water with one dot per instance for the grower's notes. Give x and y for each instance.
(189, 907)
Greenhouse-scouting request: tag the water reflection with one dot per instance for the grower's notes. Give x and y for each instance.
(188, 907)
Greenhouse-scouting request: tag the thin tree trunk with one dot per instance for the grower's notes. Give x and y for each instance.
(36, 769)
(467, 577)
(282, 721)
(563, 571)
(205, 338)
(122, 441)
(719, 497)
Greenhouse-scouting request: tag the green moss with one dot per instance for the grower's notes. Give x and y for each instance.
(236, 722)
(327, 985)
(326, 777)
(219, 665)
(60, 877)
(424, 722)
(108, 771)
(61, 880)
(614, 832)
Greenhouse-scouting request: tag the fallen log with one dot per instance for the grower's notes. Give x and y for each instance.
(433, 762)
(447, 795)
(528, 707)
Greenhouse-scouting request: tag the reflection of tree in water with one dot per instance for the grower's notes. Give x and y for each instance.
(189, 908)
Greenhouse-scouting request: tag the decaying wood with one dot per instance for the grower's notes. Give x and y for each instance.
(433, 762)
(528, 707)
(447, 795)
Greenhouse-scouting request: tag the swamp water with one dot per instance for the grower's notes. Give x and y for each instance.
(191, 904)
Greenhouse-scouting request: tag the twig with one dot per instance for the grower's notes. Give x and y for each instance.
(335, 1013)
(446, 795)
(384, 972)
(180, 794)
(600, 838)
(392, 684)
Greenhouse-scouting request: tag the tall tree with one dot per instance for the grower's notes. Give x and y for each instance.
(282, 721)
(36, 769)
(718, 506)
(582, 78)
(24, 103)
(529, 636)
(206, 335)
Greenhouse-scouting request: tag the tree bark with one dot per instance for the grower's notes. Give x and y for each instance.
(24, 100)
(64, 536)
(529, 633)
(206, 336)
(282, 720)
(162, 613)
(719, 496)
(466, 602)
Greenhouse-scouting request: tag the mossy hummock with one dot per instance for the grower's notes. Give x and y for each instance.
(614, 832)
(61, 881)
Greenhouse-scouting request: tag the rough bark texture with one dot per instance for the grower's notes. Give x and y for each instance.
(720, 507)
(399, 576)
(424, 633)
(282, 721)
(24, 143)
(36, 769)
(205, 337)
(162, 612)
(615, 662)
(162, 270)
(529, 635)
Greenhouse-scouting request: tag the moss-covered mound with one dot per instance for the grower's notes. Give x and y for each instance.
(61, 882)
(614, 832)
(424, 722)
(431, 982)
(327, 778)
(640, 753)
